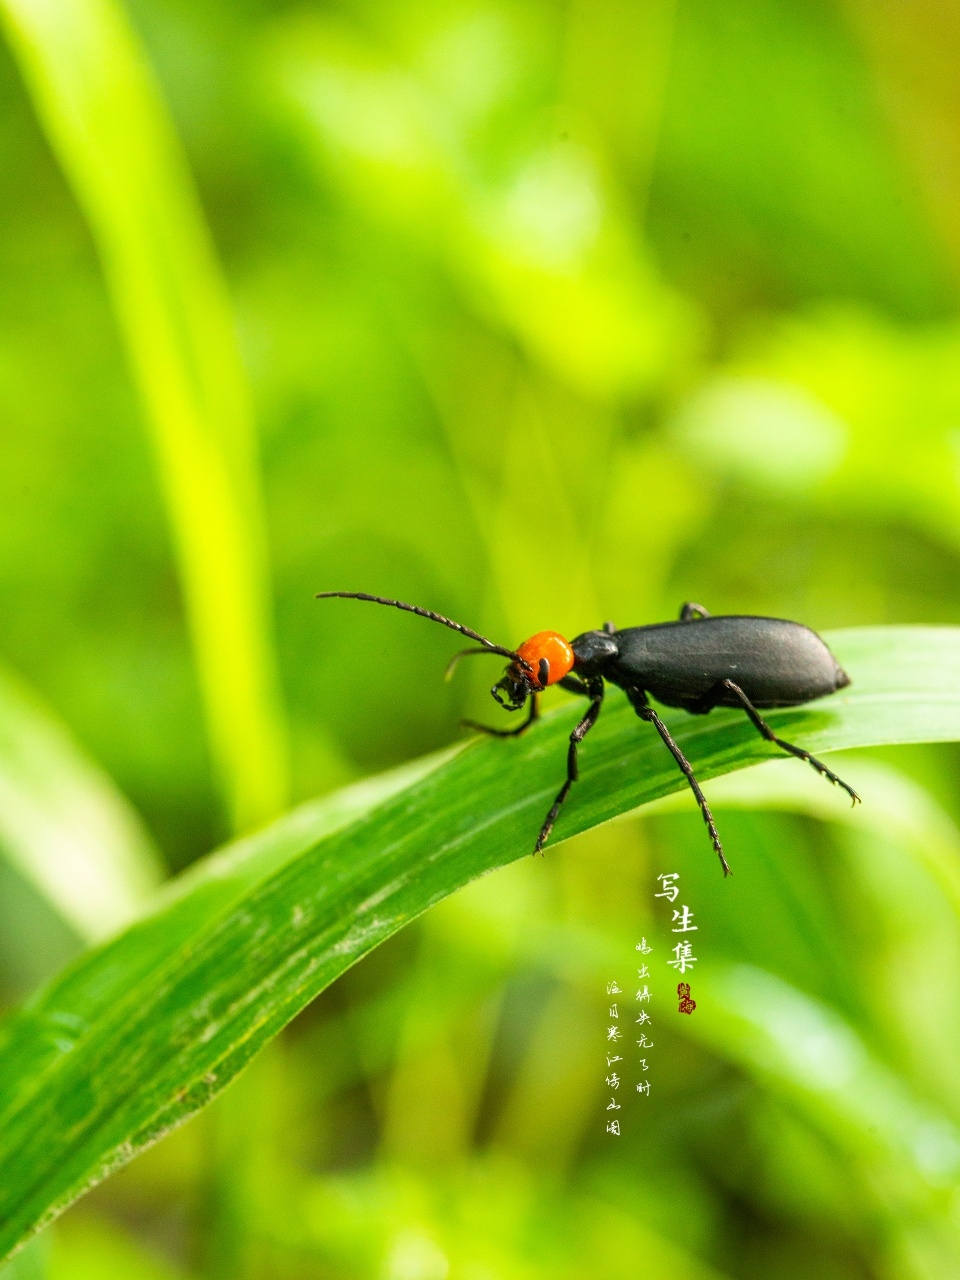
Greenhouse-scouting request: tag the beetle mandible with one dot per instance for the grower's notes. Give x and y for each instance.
(696, 663)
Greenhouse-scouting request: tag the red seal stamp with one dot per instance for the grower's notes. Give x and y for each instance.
(686, 1004)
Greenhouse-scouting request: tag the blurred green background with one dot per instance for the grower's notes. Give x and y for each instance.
(548, 313)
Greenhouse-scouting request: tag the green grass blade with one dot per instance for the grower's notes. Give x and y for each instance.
(106, 121)
(64, 825)
(809, 1053)
(137, 1035)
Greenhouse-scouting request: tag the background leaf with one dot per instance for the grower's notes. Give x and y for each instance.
(106, 120)
(64, 825)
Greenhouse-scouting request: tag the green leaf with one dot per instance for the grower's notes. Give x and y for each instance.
(137, 1035)
(814, 1057)
(106, 121)
(64, 825)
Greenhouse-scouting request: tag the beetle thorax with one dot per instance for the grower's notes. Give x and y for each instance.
(548, 656)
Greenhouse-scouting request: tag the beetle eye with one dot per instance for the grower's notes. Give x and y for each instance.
(543, 672)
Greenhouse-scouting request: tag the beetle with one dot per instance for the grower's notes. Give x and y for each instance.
(696, 663)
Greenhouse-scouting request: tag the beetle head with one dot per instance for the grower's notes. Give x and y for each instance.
(542, 660)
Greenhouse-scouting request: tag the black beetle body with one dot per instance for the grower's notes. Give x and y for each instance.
(776, 663)
(696, 663)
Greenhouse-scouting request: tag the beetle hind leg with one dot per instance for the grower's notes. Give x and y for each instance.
(764, 729)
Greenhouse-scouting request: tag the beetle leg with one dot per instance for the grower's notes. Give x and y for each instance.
(532, 715)
(573, 684)
(594, 690)
(646, 712)
(691, 611)
(762, 727)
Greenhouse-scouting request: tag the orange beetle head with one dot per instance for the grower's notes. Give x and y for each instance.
(544, 659)
(549, 656)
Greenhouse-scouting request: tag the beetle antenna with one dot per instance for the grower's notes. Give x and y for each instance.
(488, 645)
(455, 661)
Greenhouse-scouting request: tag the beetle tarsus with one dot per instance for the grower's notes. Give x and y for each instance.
(763, 728)
(643, 709)
(532, 715)
(547, 827)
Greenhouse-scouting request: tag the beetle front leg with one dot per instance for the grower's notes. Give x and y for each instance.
(532, 715)
(643, 709)
(763, 728)
(594, 690)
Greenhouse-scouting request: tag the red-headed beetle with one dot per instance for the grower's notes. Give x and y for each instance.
(697, 663)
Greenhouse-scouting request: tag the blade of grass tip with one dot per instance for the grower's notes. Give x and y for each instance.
(137, 1035)
(106, 122)
(64, 825)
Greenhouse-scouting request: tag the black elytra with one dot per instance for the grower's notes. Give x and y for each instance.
(696, 663)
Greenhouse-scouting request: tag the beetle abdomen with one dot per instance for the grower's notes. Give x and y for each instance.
(775, 662)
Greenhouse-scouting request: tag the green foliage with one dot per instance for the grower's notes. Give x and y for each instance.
(109, 128)
(546, 314)
(64, 826)
(304, 900)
